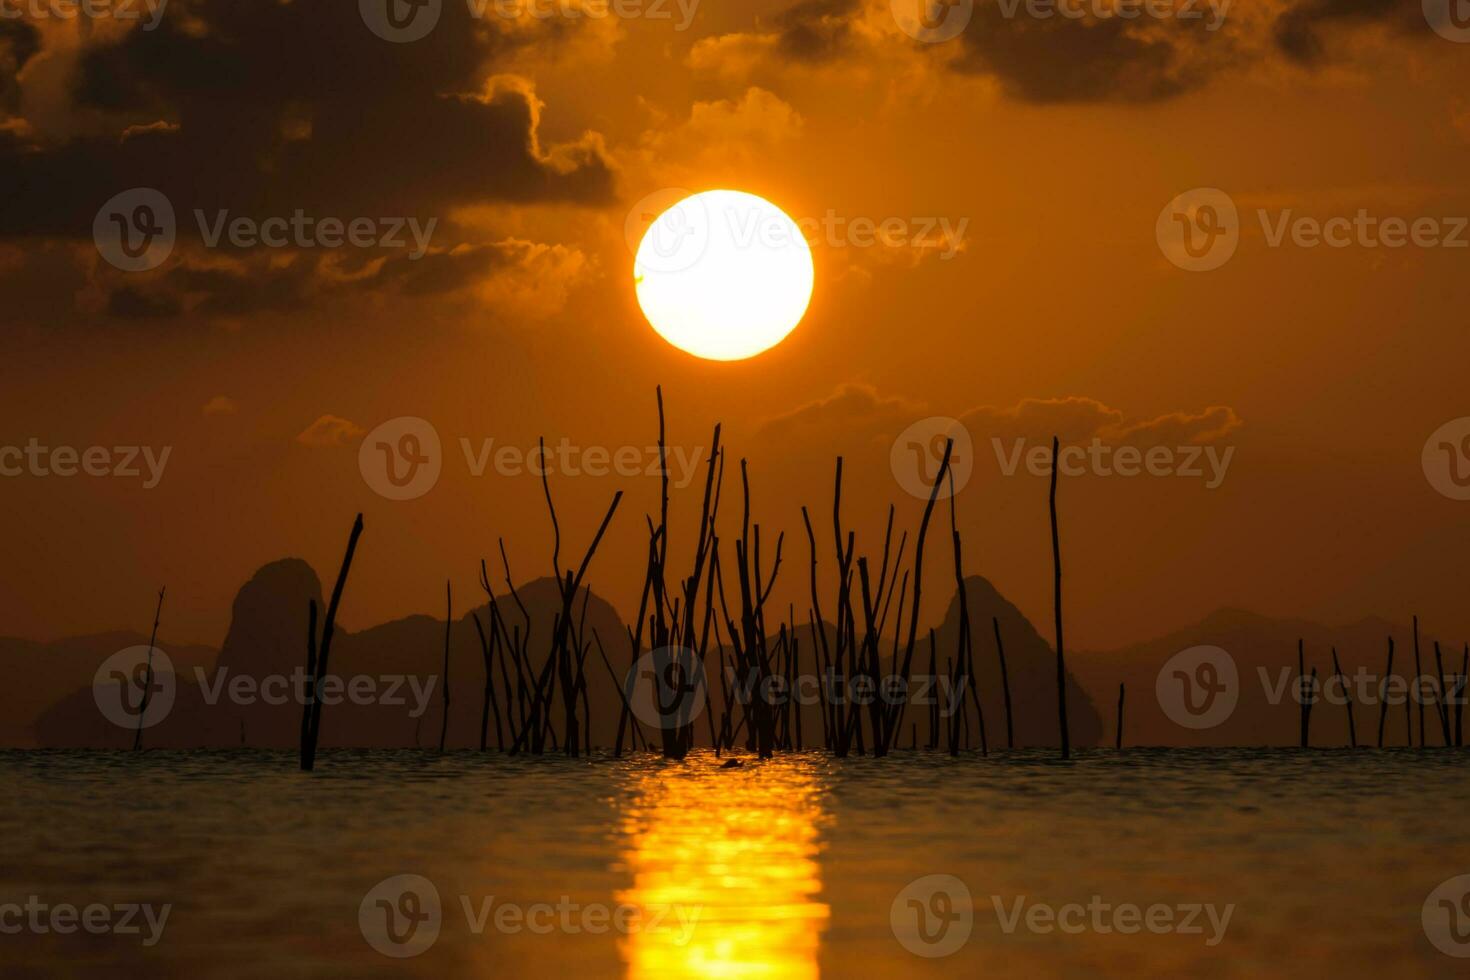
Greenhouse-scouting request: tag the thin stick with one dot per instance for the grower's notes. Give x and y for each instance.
(1005, 682)
(1352, 728)
(1383, 693)
(1418, 678)
(313, 735)
(444, 682)
(1118, 738)
(148, 675)
(1056, 558)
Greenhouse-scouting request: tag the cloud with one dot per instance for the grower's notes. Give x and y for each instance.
(19, 42)
(1060, 52)
(265, 109)
(720, 136)
(1088, 58)
(1299, 32)
(857, 413)
(329, 431)
(1076, 419)
(510, 277)
(853, 407)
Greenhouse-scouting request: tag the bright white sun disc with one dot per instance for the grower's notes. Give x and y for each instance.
(723, 275)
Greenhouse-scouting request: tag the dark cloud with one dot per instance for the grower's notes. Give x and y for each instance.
(816, 30)
(1299, 31)
(271, 107)
(1090, 59)
(19, 41)
(200, 284)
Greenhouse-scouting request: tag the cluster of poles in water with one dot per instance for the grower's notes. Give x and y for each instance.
(689, 623)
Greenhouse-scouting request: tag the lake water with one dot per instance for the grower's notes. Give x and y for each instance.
(1323, 862)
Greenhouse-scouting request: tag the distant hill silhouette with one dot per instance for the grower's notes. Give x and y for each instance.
(40, 674)
(1258, 643)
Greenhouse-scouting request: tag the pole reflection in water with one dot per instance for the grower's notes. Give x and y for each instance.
(737, 848)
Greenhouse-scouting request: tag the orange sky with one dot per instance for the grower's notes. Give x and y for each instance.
(1323, 369)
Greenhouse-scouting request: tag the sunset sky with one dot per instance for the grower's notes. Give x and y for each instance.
(1048, 147)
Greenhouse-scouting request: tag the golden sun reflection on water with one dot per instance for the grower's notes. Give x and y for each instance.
(737, 847)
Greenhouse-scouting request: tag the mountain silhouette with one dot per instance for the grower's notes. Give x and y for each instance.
(388, 684)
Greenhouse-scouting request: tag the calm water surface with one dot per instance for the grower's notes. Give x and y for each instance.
(785, 869)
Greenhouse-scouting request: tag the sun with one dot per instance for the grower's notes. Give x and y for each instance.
(723, 275)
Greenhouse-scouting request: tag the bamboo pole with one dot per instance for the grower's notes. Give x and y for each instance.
(1383, 693)
(1056, 557)
(324, 649)
(444, 681)
(1118, 738)
(1352, 728)
(148, 675)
